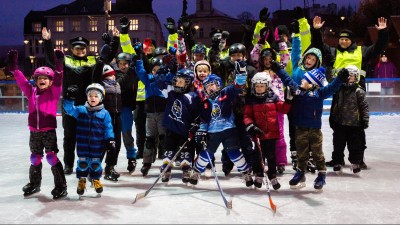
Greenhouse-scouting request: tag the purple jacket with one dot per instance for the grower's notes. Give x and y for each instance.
(385, 70)
(42, 105)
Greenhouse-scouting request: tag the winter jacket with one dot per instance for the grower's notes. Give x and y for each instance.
(385, 70)
(307, 105)
(112, 99)
(42, 105)
(350, 107)
(263, 112)
(93, 129)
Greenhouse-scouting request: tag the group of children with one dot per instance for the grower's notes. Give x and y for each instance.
(191, 109)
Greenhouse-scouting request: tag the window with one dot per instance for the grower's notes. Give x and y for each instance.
(201, 33)
(60, 26)
(201, 5)
(60, 45)
(76, 25)
(134, 24)
(93, 25)
(110, 24)
(93, 46)
(37, 27)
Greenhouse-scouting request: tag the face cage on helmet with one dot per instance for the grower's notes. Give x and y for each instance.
(180, 89)
(355, 74)
(212, 93)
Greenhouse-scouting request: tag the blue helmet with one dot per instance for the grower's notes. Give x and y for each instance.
(199, 49)
(185, 74)
(212, 79)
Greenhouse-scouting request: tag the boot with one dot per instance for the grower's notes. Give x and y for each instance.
(110, 173)
(81, 186)
(35, 180)
(60, 189)
(275, 184)
(337, 169)
(258, 180)
(246, 176)
(68, 170)
(298, 181)
(131, 166)
(227, 167)
(98, 186)
(145, 169)
(319, 182)
(355, 168)
(167, 175)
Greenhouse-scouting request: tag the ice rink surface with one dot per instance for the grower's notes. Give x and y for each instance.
(371, 198)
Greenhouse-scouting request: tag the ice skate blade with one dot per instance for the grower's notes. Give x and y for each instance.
(27, 196)
(97, 195)
(298, 186)
(318, 190)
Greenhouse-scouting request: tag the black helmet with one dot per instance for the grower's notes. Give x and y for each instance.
(160, 51)
(268, 52)
(124, 56)
(156, 61)
(185, 74)
(237, 48)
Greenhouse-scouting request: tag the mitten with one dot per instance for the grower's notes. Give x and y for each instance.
(139, 50)
(12, 60)
(343, 75)
(111, 149)
(124, 23)
(105, 53)
(72, 92)
(294, 25)
(106, 38)
(264, 14)
(200, 137)
(253, 130)
(170, 26)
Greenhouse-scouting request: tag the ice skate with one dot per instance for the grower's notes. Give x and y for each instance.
(185, 176)
(145, 169)
(298, 181)
(280, 169)
(98, 186)
(246, 177)
(337, 169)
(275, 184)
(194, 177)
(59, 192)
(111, 174)
(258, 180)
(319, 182)
(81, 186)
(35, 180)
(131, 166)
(356, 168)
(30, 189)
(165, 178)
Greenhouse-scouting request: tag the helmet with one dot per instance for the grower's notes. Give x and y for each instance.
(199, 49)
(260, 78)
(187, 75)
(160, 51)
(156, 61)
(268, 52)
(212, 79)
(124, 56)
(237, 48)
(353, 71)
(43, 71)
(97, 87)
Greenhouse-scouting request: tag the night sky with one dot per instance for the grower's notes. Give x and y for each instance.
(12, 12)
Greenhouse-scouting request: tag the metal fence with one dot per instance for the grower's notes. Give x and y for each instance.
(383, 96)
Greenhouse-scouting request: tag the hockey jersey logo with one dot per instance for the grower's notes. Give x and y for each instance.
(177, 109)
(216, 112)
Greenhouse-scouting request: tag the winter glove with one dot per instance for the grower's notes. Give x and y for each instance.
(58, 60)
(111, 149)
(124, 22)
(240, 79)
(224, 35)
(105, 53)
(193, 129)
(298, 13)
(264, 32)
(343, 75)
(253, 130)
(170, 26)
(264, 14)
(275, 66)
(200, 137)
(106, 38)
(215, 40)
(12, 60)
(72, 92)
(294, 25)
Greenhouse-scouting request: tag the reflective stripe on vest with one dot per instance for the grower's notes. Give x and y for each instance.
(76, 62)
(141, 93)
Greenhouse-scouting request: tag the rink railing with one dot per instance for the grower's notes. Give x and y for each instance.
(12, 100)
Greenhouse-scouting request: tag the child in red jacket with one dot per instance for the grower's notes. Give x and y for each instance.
(261, 121)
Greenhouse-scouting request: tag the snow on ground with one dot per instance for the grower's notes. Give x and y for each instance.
(371, 198)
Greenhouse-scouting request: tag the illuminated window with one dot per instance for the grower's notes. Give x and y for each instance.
(134, 25)
(37, 27)
(93, 46)
(76, 25)
(110, 24)
(59, 44)
(60, 26)
(93, 25)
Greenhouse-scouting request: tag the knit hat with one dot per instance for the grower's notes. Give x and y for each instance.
(346, 34)
(316, 76)
(108, 71)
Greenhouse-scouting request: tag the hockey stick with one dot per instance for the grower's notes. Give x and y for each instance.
(271, 203)
(144, 194)
(228, 203)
